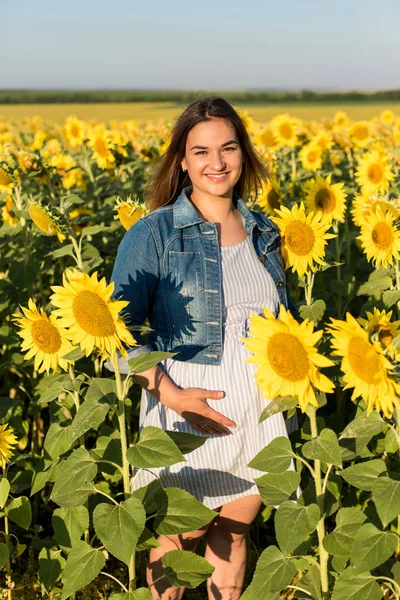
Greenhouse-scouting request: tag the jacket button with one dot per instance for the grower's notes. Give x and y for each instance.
(262, 258)
(280, 284)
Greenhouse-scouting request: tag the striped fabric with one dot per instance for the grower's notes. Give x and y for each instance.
(217, 472)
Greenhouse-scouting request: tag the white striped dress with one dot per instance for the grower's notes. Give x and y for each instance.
(217, 472)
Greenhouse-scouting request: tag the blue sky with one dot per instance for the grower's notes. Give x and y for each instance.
(200, 44)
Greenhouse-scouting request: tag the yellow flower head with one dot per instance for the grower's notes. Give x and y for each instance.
(381, 329)
(366, 204)
(85, 307)
(360, 133)
(365, 370)
(285, 130)
(45, 219)
(311, 157)
(266, 138)
(270, 197)
(101, 145)
(327, 200)
(75, 132)
(7, 213)
(128, 211)
(387, 117)
(380, 239)
(374, 172)
(7, 442)
(304, 238)
(288, 359)
(340, 120)
(43, 338)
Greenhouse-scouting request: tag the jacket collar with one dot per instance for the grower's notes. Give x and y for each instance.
(185, 214)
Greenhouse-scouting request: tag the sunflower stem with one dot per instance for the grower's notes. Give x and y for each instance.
(124, 448)
(397, 419)
(294, 165)
(323, 554)
(78, 253)
(309, 287)
(397, 275)
(7, 540)
(335, 227)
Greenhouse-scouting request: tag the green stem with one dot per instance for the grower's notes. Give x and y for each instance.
(323, 554)
(309, 287)
(294, 166)
(397, 430)
(395, 585)
(335, 227)
(78, 253)
(124, 448)
(115, 579)
(397, 275)
(7, 540)
(95, 489)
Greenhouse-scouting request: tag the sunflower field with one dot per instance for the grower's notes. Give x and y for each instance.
(69, 441)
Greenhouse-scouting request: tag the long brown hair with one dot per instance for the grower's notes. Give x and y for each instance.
(167, 182)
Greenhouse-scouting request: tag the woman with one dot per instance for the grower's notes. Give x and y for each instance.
(198, 266)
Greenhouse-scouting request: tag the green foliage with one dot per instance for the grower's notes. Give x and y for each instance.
(83, 565)
(155, 448)
(184, 568)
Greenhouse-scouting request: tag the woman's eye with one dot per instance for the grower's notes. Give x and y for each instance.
(230, 148)
(200, 152)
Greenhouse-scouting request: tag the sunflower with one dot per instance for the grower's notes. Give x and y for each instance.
(311, 157)
(39, 140)
(304, 238)
(266, 138)
(71, 175)
(74, 131)
(340, 120)
(288, 359)
(359, 132)
(365, 370)
(323, 139)
(44, 338)
(327, 200)
(101, 145)
(284, 129)
(270, 197)
(128, 211)
(91, 316)
(7, 212)
(381, 329)
(380, 239)
(367, 203)
(387, 117)
(45, 219)
(374, 172)
(7, 441)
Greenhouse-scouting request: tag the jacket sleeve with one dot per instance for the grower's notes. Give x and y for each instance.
(135, 276)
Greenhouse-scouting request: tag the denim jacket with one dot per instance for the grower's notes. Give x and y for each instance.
(168, 268)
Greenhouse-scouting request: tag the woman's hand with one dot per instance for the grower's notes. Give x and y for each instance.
(191, 404)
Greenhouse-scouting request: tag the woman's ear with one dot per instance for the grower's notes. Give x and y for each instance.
(183, 165)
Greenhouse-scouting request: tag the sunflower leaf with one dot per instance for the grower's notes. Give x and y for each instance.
(179, 512)
(314, 312)
(325, 447)
(155, 448)
(83, 565)
(274, 458)
(183, 568)
(363, 475)
(294, 523)
(275, 490)
(386, 496)
(372, 547)
(351, 585)
(277, 405)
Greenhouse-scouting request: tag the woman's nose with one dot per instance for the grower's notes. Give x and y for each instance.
(217, 162)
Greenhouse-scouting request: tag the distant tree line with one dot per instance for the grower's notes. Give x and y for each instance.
(184, 97)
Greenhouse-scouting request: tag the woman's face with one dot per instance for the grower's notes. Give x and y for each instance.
(213, 158)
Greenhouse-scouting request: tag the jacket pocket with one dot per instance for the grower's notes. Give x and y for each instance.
(186, 273)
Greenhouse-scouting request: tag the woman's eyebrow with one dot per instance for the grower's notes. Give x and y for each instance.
(206, 147)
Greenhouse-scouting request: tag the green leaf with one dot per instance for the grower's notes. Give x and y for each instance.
(51, 564)
(4, 491)
(102, 389)
(386, 495)
(273, 573)
(390, 298)
(184, 568)
(147, 541)
(83, 565)
(351, 585)
(75, 354)
(44, 470)
(375, 284)
(67, 250)
(53, 389)
(90, 415)
(19, 511)
(186, 442)
(58, 440)
(340, 541)
(179, 512)
(364, 425)
(294, 523)
(73, 483)
(314, 312)
(274, 490)
(372, 547)
(391, 443)
(69, 524)
(4, 554)
(5, 405)
(119, 527)
(325, 447)
(363, 475)
(274, 458)
(93, 229)
(311, 582)
(146, 360)
(139, 594)
(278, 405)
(154, 449)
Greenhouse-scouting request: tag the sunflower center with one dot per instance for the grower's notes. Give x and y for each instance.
(287, 356)
(93, 314)
(325, 200)
(313, 156)
(74, 131)
(46, 336)
(382, 235)
(384, 334)
(299, 237)
(100, 147)
(363, 360)
(361, 132)
(273, 198)
(286, 131)
(375, 173)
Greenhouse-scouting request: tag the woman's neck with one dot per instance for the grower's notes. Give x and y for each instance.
(215, 209)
